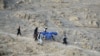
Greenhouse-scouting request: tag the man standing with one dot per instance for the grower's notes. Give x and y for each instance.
(18, 31)
(65, 38)
(36, 33)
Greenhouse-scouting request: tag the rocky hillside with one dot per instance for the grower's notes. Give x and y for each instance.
(1, 4)
(12, 45)
(80, 19)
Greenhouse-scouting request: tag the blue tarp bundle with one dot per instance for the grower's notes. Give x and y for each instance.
(54, 33)
(48, 35)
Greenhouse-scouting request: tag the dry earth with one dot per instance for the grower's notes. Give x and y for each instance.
(80, 19)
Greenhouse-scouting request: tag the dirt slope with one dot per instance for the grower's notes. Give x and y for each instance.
(12, 45)
(80, 19)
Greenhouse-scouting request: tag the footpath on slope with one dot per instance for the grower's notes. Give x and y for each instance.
(12, 45)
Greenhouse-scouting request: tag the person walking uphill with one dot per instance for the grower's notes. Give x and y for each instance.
(35, 33)
(18, 31)
(40, 39)
(65, 38)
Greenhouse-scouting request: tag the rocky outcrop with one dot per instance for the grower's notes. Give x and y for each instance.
(1, 4)
(32, 18)
(22, 14)
(73, 18)
(84, 23)
(21, 46)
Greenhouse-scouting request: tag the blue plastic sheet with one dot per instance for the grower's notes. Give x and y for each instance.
(48, 35)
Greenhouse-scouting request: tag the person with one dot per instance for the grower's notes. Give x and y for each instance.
(65, 38)
(53, 37)
(18, 31)
(45, 30)
(36, 33)
(44, 33)
(40, 37)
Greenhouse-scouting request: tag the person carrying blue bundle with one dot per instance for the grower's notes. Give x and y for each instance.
(48, 35)
(45, 30)
(53, 34)
(40, 39)
(35, 33)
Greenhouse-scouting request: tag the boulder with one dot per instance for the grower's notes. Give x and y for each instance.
(19, 2)
(93, 24)
(22, 14)
(73, 18)
(78, 23)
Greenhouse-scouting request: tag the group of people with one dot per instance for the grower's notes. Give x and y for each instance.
(39, 37)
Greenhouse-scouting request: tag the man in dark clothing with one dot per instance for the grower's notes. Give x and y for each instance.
(18, 31)
(36, 33)
(65, 38)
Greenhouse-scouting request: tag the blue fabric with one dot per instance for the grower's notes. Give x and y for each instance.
(48, 35)
(44, 33)
(54, 33)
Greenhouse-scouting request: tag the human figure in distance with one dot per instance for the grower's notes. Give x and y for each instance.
(19, 31)
(36, 33)
(65, 38)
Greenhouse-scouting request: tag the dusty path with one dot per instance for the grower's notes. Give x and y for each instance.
(24, 46)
